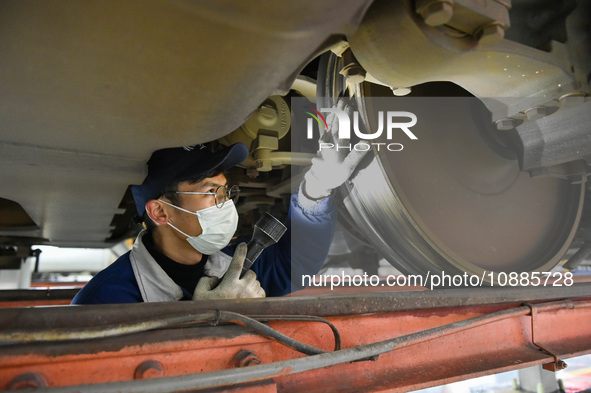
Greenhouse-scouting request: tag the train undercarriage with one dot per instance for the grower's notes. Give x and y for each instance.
(494, 186)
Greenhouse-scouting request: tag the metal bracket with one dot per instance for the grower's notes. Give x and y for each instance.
(557, 364)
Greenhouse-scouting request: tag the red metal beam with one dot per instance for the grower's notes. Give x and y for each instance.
(39, 296)
(189, 355)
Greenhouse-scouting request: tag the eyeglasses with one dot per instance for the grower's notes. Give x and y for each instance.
(221, 194)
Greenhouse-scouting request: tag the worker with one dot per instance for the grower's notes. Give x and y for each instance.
(190, 218)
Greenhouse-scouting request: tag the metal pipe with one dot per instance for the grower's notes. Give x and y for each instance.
(578, 257)
(19, 336)
(286, 367)
(291, 158)
(278, 158)
(214, 317)
(303, 318)
(63, 317)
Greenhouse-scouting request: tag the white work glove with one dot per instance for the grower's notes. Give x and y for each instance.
(332, 167)
(231, 285)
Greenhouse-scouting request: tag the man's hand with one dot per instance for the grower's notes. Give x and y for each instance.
(331, 167)
(231, 286)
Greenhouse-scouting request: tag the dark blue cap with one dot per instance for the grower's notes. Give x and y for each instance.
(180, 163)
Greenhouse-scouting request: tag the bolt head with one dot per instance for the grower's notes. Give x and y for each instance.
(251, 362)
(28, 380)
(149, 369)
(245, 358)
(572, 99)
(491, 34)
(505, 124)
(437, 13)
(536, 113)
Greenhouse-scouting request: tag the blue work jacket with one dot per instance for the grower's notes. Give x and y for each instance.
(136, 277)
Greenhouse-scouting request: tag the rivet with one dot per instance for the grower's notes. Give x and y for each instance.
(28, 380)
(149, 369)
(245, 358)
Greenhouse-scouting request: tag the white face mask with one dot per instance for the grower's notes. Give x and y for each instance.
(219, 225)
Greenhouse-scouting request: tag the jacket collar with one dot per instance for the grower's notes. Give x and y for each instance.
(155, 285)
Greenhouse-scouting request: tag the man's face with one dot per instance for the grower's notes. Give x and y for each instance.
(194, 202)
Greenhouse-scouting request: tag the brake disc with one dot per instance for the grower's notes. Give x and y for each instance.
(455, 200)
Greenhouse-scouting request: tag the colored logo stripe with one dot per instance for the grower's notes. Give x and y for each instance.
(317, 119)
